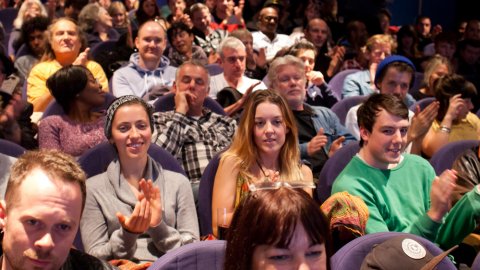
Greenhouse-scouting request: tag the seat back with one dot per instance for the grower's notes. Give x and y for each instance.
(336, 82)
(167, 103)
(333, 167)
(205, 192)
(96, 160)
(476, 262)
(102, 47)
(350, 256)
(422, 103)
(214, 69)
(199, 255)
(418, 82)
(55, 109)
(443, 159)
(7, 16)
(11, 149)
(342, 107)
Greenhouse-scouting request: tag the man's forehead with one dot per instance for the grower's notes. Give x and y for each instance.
(151, 27)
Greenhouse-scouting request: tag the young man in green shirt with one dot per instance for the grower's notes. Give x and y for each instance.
(402, 191)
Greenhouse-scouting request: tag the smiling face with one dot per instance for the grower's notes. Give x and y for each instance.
(290, 84)
(300, 254)
(40, 227)
(64, 39)
(201, 19)
(269, 130)
(182, 41)
(150, 42)
(384, 145)
(131, 132)
(92, 94)
(104, 18)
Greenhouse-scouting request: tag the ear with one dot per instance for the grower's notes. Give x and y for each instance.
(364, 134)
(136, 42)
(174, 87)
(3, 215)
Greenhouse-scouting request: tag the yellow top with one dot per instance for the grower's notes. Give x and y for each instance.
(37, 91)
(466, 129)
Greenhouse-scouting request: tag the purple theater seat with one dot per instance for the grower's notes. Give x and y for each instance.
(96, 160)
(342, 107)
(55, 109)
(11, 149)
(476, 263)
(101, 47)
(443, 159)
(423, 103)
(205, 196)
(332, 168)
(167, 103)
(200, 255)
(350, 256)
(214, 69)
(336, 82)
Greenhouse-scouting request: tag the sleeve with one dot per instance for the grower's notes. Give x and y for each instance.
(339, 129)
(186, 229)
(37, 91)
(99, 74)
(461, 220)
(120, 245)
(120, 85)
(350, 87)
(171, 129)
(49, 134)
(351, 122)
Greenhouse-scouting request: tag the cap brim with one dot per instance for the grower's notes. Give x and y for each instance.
(437, 259)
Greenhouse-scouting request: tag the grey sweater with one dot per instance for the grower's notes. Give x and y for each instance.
(109, 192)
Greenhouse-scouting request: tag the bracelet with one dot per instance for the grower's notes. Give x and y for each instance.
(445, 129)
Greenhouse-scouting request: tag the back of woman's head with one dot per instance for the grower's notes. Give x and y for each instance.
(449, 86)
(270, 217)
(67, 83)
(243, 145)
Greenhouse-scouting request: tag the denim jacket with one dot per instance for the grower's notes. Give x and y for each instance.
(325, 118)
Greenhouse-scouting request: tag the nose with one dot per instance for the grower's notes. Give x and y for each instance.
(302, 264)
(134, 132)
(268, 128)
(45, 242)
(397, 137)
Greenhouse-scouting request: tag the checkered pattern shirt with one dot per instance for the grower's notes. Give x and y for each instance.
(193, 142)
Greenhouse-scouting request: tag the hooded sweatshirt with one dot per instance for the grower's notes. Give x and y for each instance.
(134, 80)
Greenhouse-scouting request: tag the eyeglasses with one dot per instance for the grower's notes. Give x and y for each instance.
(271, 185)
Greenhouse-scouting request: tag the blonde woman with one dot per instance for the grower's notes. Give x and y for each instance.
(264, 149)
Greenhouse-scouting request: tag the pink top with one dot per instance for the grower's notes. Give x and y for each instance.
(62, 133)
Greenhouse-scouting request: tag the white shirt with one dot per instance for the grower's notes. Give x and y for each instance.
(218, 82)
(260, 40)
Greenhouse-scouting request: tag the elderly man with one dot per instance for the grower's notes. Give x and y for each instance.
(41, 214)
(233, 57)
(149, 73)
(319, 129)
(192, 133)
(267, 37)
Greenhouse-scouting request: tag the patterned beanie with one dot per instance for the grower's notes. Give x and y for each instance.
(117, 103)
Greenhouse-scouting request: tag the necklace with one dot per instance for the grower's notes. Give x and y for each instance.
(267, 177)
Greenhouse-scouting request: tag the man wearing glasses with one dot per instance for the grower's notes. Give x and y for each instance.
(268, 37)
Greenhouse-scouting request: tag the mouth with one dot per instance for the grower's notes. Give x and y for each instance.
(135, 145)
(40, 263)
(395, 151)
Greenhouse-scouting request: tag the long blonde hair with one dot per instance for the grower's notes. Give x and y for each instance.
(244, 151)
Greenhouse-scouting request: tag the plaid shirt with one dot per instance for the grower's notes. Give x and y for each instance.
(193, 142)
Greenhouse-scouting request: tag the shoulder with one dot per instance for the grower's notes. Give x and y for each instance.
(79, 260)
(97, 182)
(417, 162)
(52, 120)
(93, 65)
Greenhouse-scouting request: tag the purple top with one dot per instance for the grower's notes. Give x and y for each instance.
(74, 138)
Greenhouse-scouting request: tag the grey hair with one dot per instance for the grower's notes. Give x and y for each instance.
(288, 60)
(195, 64)
(230, 43)
(18, 22)
(197, 7)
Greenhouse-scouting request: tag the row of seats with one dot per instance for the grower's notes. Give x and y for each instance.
(210, 254)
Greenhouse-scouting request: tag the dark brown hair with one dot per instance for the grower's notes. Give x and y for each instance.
(449, 86)
(269, 218)
(368, 111)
